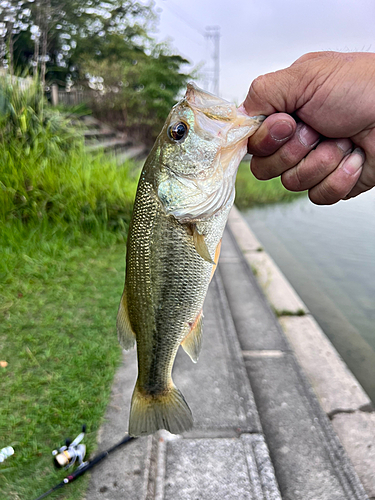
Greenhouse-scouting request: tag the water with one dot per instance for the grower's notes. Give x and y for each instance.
(327, 253)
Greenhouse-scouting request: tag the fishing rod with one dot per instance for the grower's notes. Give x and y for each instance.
(85, 466)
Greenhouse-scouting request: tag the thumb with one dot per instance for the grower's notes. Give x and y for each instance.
(285, 90)
(272, 93)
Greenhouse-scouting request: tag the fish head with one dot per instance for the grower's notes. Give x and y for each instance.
(198, 151)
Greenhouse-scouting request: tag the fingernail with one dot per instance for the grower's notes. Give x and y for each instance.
(345, 145)
(281, 130)
(307, 136)
(354, 162)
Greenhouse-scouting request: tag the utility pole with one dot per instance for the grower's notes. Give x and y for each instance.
(213, 33)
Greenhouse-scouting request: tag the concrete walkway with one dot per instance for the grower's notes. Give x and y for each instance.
(259, 434)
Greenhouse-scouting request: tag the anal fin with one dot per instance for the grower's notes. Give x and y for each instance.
(201, 247)
(192, 343)
(125, 333)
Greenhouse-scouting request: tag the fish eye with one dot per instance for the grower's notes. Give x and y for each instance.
(178, 131)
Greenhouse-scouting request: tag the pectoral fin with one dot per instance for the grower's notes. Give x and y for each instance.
(192, 343)
(125, 333)
(201, 247)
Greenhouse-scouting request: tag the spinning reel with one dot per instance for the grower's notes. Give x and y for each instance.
(67, 455)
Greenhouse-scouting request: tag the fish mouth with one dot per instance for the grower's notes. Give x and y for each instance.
(200, 175)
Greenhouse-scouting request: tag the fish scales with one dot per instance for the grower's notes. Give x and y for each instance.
(170, 297)
(179, 216)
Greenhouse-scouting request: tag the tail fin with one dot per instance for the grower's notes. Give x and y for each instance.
(149, 413)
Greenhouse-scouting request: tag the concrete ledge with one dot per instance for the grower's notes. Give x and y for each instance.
(276, 287)
(335, 385)
(356, 431)
(340, 394)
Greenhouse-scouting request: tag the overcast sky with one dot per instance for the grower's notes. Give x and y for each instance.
(259, 36)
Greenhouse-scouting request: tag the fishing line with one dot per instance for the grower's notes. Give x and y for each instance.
(85, 466)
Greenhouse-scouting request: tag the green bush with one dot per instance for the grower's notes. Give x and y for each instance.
(136, 91)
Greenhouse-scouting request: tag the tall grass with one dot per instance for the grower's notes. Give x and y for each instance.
(52, 192)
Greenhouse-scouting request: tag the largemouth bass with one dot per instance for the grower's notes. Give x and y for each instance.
(184, 196)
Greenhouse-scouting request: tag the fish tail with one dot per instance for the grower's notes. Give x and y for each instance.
(151, 412)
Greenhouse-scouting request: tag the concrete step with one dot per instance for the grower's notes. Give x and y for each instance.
(310, 462)
(98, 134)
(223, 456)
(89, 122)
(118, 144)
(132, 153)
(249, 442)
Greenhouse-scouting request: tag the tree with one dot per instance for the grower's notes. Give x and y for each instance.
(136, 92)
(54, 32)
(14, 19)
(135, 79)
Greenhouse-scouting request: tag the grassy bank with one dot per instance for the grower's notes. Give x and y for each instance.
(251, 192)
(64, 216)
(48, 208)
(57, 334)
(61, 278)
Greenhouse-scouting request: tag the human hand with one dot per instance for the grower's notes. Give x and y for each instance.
(331, 150)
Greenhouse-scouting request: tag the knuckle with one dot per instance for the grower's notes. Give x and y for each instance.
(327, 193)
(286, 158)
(299, 180)
(328, 159)
(291, 179)
(324, 164)
(260, 169)
(288, 183)
(257, 86)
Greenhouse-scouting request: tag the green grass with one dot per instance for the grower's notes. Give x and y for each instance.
(251, 192)
(64, 216)
(61, 279)
(48, 202)
(57, 334)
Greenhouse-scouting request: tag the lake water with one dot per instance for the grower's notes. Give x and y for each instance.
(328, 255)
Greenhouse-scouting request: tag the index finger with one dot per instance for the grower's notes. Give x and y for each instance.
(275, 131)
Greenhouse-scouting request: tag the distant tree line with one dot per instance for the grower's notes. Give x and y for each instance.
(103, 45)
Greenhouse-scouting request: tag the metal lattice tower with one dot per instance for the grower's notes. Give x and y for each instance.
(213, 33)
